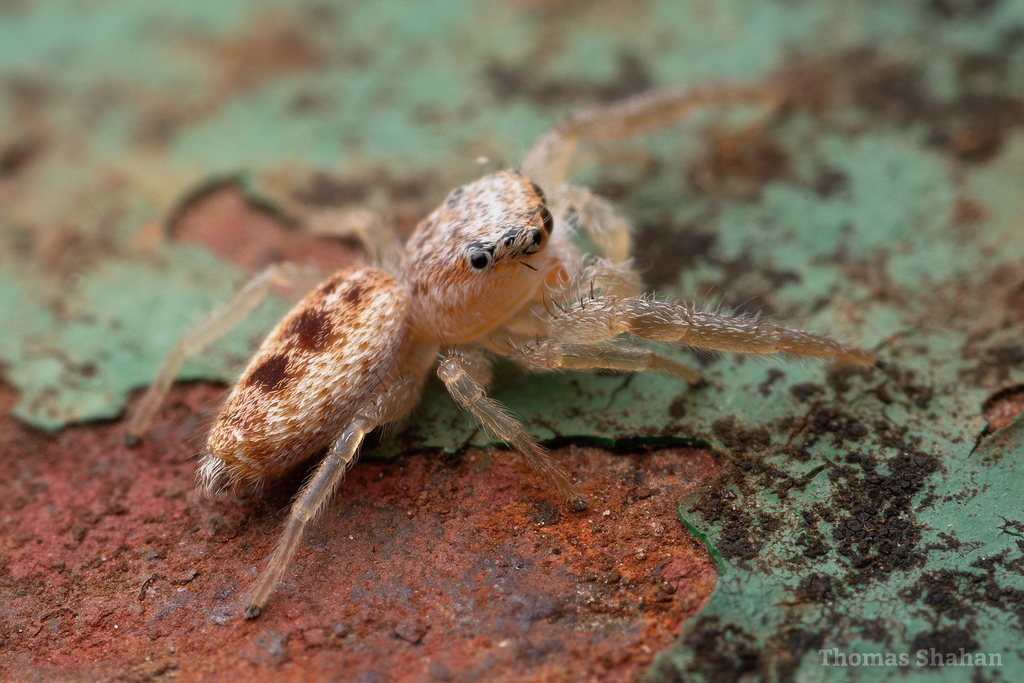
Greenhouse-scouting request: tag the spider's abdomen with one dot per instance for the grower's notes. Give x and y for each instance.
(322, 363)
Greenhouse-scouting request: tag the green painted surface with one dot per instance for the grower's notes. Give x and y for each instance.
(887, 211)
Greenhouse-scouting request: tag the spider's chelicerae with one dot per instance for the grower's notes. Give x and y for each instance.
(491, 272)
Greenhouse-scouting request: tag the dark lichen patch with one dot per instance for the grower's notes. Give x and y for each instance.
(875, 530)
(993, 363)
(933, 648)
(402, 201)
(869, 524)
(812, 545)
(664, 250)
(816, 589)
(829, 181)
(774, 375)
(266, 49)
(736, 270)
(740, 440)
(834, 421)
(15, 156)
(960, 9)
(740, 164)
(726, 652)
(958, 594)
(806, 391)
(790, 647)
(739, 539)
(971, 126)
(743, 531)
(323, 190)
(902, 386)
(677, 409)
(521, 81)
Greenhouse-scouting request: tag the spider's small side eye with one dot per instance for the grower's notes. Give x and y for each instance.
(479, 260)
(545, 219)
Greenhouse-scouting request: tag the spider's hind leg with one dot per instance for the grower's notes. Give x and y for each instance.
(307, 506)
(375, 233)
(218, 323)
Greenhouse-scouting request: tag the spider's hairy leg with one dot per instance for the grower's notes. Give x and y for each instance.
(377, 235)
(462, 371)
(400, 395)
(590, 321)
(218, 323)
(547, 161)
(598, 218)
(307, 506)
(547, 354)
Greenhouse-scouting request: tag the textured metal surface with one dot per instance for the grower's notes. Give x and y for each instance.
(861, 512)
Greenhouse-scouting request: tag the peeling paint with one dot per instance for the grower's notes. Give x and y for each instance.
(882, 205)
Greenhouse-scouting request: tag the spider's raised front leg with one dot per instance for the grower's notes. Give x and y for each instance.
(547, 354)
(218, 323)
(591, 321)
(547, 161)
(599, 220)
(466, 374)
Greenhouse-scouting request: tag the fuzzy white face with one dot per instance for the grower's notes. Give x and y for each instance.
(479, 258)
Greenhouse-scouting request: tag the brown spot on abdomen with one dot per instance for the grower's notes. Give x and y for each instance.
(311, 330)
(354, 293)
(271, 374)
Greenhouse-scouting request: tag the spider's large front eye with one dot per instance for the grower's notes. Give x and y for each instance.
(536, 239)
(479, 260)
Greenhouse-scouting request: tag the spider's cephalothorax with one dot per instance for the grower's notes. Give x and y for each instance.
(492, 271)
(479, 257)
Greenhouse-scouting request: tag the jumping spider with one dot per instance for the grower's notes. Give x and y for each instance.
(493, 271)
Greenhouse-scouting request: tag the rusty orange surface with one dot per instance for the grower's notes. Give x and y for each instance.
(443, 567)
